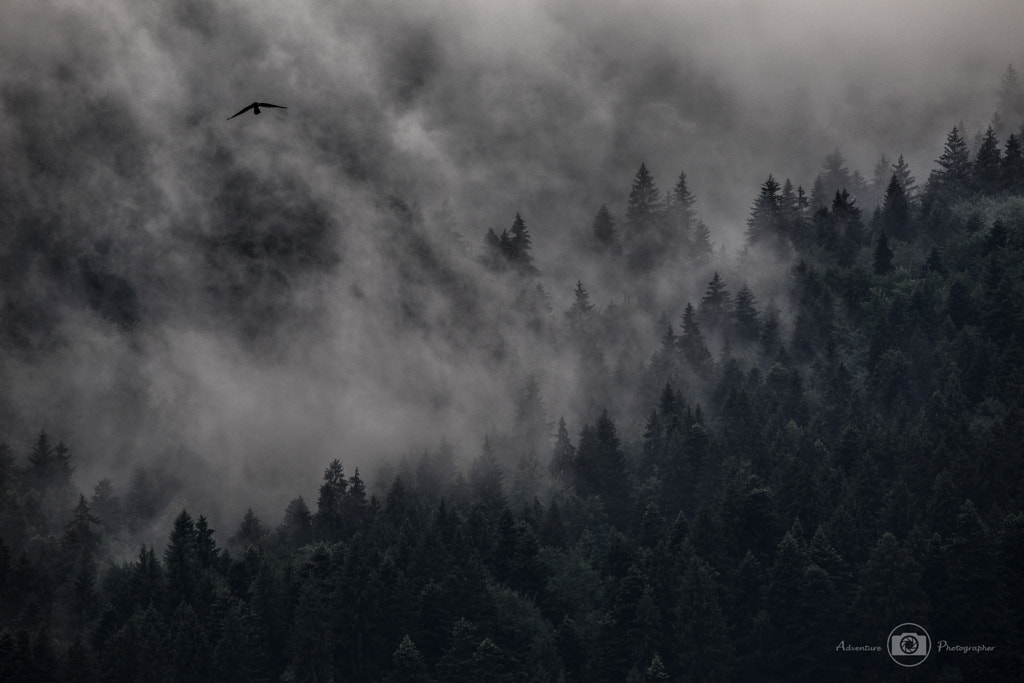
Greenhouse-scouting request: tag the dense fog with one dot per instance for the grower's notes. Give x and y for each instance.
(235, 303)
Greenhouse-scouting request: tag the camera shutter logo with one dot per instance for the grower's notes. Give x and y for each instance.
(909, 644)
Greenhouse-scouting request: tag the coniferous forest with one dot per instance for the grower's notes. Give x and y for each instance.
(814, 482)
(641, 447)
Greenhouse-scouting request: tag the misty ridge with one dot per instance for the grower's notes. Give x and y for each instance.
(654, 303)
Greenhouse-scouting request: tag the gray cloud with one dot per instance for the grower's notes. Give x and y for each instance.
(286, 312)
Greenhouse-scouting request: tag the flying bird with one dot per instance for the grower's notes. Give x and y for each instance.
(255, 106)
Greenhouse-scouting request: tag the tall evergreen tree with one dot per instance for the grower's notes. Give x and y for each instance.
(896, 211)
(702, 247)
(691, 341)
(580, 314)
(883, 256)
(49, 466)
(564, 453)
(519, 246)
(682, 221)
(746, 319)
(764, 226)
(1012, 171)
(841, 231)
(643, 218)
(715, 305)
(603, 231)
(771, 333)
(530, 417)
(793, 207)
(180, 562)
(819, 195)
(951, 181)
(329, 521)
(296, 529)
(835, 175)
(600, 468)
(988, 164)
(644, 202)
(82, 536)
(907, 180)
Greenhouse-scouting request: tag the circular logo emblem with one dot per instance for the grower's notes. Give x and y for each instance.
(909, 644)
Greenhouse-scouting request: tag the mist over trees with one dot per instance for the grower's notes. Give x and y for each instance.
(533, 341)
(792, 460)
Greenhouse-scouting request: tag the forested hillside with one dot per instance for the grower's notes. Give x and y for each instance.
(822, 444)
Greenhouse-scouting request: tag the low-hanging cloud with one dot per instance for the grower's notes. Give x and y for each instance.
(289, 306)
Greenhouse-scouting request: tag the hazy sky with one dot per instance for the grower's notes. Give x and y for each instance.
(113, 126)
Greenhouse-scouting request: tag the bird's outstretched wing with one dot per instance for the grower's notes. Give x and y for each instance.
(243, 111)
(267, 104)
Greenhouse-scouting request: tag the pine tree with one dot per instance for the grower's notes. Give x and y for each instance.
(951, 181)
(207, 552)
(456, 664)
(771, 335)
(49, 467)
(746, 319)
(792, 207)
(147, 580)
(81, 537)
(603, 231)
(519, 246)
(250, 532)
(819, 195)
(409, 665)
(40, 460)
(835, 175)
(765, 223)
(189, 646)
(311, 637)
(656, 671)
(702, 246)
(530, 418)
(896, 211)
(564, 454)
(907, 181)
(691, 341)
(643, 215)
(706, 652)
(356, 506)
(715, 305)
(180, 562)
(644, 202)
(681, 217)
(580, 313)
(296, 529)
(883, 256)
(600, 467)
(1012, 170)
(841, 231)
(890, 585)
(329, 521)
(988, 165)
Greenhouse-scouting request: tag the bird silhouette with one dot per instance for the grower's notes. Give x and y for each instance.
(255, 106)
